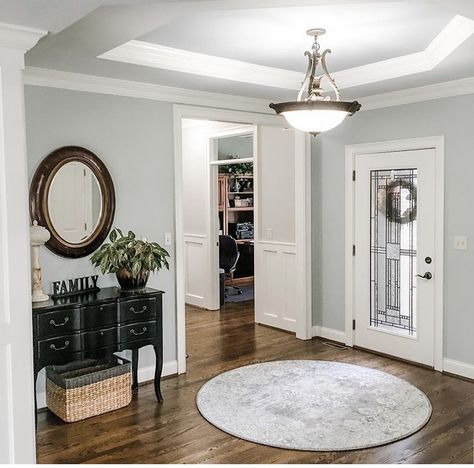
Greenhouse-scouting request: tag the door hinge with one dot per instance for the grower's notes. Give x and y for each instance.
(85, 226)
(353, 324)
(353, 250)
(353, 175)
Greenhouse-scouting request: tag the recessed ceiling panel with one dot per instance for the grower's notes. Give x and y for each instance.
(357, 33)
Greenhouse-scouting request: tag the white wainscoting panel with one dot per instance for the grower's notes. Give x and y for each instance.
(275, 284)
(6, 389)
(196, 252)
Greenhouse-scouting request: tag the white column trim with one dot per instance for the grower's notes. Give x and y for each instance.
(17, 430)
(19, 38)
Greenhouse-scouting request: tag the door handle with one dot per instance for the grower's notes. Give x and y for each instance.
(427, 275)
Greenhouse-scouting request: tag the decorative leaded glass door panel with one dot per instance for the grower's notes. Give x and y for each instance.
(394, 233)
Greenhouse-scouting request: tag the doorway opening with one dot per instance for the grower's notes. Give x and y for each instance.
(278, 173)
(219, 215)
(236, 187)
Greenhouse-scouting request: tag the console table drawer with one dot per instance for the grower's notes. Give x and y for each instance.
(137, 309)
(100, 315)
(64, 346)
(59, 322)
(100, 338)
(97, 324)
(137, 331)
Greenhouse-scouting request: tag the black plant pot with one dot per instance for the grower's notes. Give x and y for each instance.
(129, 282)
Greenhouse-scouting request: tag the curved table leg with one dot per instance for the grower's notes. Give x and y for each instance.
(134, 369)
(158, 370)
(35, 378)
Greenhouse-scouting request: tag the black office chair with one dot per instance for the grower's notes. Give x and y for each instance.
(228, 257)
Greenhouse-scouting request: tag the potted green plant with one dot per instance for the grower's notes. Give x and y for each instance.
(131, 259)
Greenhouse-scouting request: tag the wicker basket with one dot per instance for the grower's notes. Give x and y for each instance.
(83, 389)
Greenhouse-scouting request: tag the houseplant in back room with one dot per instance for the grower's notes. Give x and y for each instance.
(131, 259)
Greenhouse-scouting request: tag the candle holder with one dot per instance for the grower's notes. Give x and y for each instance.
(38, 237)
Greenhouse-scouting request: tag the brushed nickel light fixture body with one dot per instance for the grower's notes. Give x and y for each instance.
(312, 111)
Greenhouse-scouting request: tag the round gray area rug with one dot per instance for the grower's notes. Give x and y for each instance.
(313, 405)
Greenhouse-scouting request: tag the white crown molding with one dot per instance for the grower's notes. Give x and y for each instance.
(157, 56)
(103, 85)
(420, 94)
(445, 43)
(100, 84)
(19, 37)
(180, 60)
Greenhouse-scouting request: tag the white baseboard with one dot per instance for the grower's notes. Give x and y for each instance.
(329, 333)
(458, 368)
(463, 369)
(148, 373)
(144, 374)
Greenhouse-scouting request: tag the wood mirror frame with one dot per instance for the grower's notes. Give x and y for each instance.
(39, 191)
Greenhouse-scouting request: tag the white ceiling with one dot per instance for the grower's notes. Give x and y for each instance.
(51, 15)
(261, 32)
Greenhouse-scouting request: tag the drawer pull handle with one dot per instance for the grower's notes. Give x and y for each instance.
(132, 309)
(53, 346)
(52, 322)
(133, 332)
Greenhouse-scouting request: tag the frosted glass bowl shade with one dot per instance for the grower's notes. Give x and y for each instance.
(315, 116)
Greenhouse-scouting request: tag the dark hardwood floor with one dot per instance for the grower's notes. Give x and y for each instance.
(174, 432)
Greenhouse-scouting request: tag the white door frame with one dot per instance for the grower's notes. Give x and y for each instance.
(214, 163)
(436, 143)
(303, 219)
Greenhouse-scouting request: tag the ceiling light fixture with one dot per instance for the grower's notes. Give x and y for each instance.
(312, 112)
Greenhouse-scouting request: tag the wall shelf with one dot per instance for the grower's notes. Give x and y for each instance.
(241, 208)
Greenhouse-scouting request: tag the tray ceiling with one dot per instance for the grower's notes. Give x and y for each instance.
(391, 39)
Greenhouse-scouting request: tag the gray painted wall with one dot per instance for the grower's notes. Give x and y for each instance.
(449, 117)
(134, 138)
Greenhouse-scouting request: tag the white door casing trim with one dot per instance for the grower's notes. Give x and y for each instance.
(436, 143)
(303, 330)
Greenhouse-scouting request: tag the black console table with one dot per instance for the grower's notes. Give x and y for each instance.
(98, 324)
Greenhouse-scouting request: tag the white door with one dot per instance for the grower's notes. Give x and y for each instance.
(276, 301)
(394, 232)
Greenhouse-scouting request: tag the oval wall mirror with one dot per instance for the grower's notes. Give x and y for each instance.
(72, 195)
